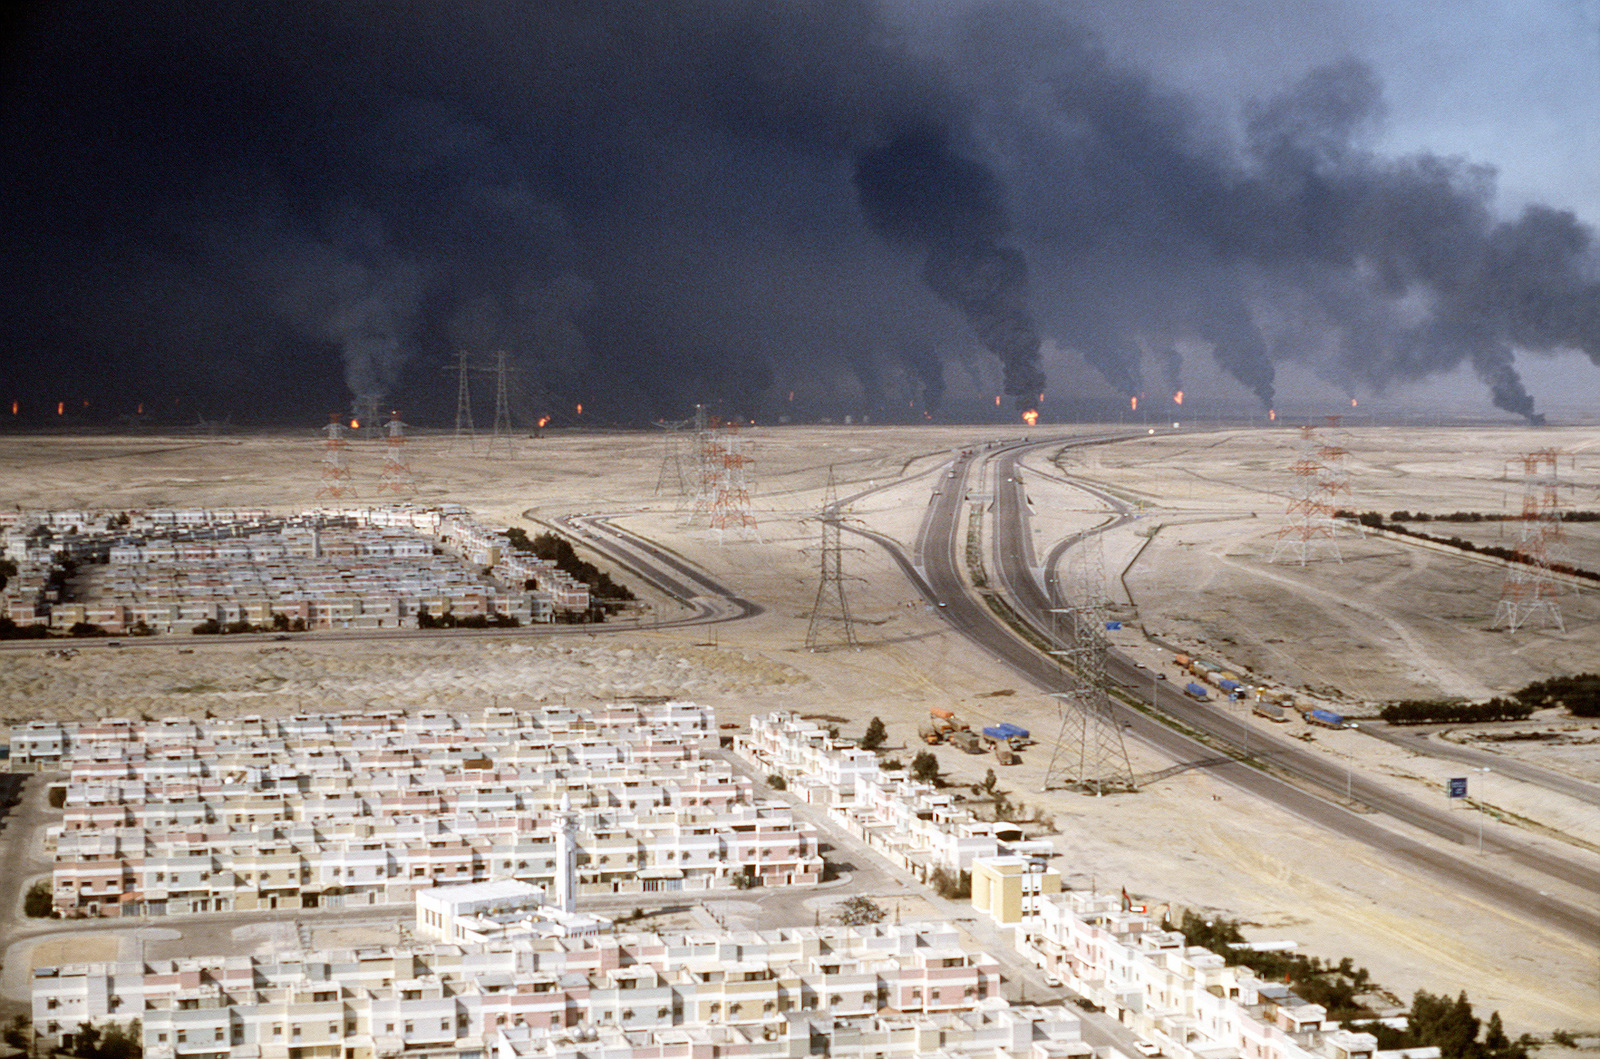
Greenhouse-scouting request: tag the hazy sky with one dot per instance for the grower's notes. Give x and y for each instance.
(812, 207)
(1516, 85)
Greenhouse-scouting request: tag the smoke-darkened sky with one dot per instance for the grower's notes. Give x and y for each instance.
(806, 207)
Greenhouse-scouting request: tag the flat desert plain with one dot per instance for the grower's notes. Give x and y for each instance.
(1387, 619)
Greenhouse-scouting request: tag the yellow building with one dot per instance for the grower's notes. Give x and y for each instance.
(1009, 889)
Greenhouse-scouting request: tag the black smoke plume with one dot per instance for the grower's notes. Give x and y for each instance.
(267, 209)
(915, 189)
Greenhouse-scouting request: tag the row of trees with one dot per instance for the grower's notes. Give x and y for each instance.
(10, 630)
(89, 1042)
(1454, 711)
(1375, 520)
(448, 620)
(559, 550)
(1481, 516)
(1579, 693)
(279, 623)
(1449, 1025)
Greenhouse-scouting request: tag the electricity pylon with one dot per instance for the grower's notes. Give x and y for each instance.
(831, 610)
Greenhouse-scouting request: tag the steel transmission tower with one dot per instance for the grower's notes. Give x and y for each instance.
(831, 624)
(730, 501)
(671, 477)
(1530, 587)
(1321, 476)
(1090, 755)
(335, 461)
(705, 464)
(397, 477)
(464, 427)
(501, 434)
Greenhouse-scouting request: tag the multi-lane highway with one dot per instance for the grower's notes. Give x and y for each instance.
(1314, 789)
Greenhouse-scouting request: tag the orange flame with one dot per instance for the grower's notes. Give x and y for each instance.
(13, 408)
(580, 409)
(86, 404)
(355, 424)
(1352, 402)
(997, 400)
(1030, 417)
(1272, 414)
(543, 420)
(1177, 398)
(61, 408)
(140, 409)
(1133, 403)
(791, 395)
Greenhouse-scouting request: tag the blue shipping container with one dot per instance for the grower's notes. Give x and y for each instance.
(1229, 685)
(1326, 717)
(1197, 691)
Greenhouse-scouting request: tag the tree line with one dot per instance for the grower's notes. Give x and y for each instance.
(1374, 520)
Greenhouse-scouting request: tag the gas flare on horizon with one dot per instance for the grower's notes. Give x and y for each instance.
(580, 409)
(1177, 398)
(1272, 414)
(1030, 417)
(1133, 403)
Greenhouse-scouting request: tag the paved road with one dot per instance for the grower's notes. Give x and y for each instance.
(670, 573)
(1420, 740)
(1025, 592)
(941, 583)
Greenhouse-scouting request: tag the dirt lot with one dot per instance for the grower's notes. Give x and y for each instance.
(1390, 621)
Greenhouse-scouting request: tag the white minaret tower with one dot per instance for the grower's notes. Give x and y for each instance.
(566, 860)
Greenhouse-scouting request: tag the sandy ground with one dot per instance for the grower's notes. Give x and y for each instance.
(1388, 622)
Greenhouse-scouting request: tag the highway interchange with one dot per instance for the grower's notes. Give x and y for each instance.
(1291, 778)
(1316, 788)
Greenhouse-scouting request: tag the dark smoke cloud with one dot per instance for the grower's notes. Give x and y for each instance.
(915, 189)
(272, 208)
